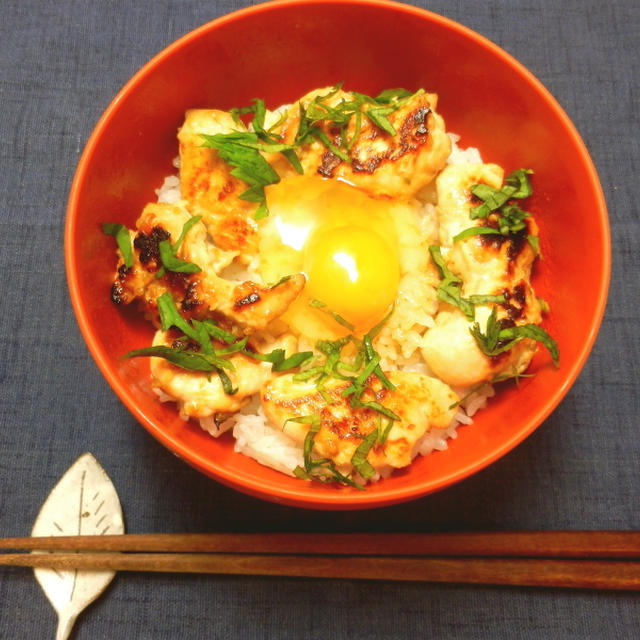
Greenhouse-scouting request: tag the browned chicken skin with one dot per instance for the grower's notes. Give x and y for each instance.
(247, 306)
(381, 164)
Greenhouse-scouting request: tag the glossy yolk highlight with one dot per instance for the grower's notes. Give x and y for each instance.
(353, 271)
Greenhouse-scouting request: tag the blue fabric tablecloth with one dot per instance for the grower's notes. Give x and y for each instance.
(60, 64)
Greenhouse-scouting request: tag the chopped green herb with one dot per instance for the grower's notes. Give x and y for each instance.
(383, 434)
(241, 149)
(278, 360)
(534, 332)
(239, 346)
(392, 95)
(520, 183)
(170, 317)
(488, 341)
(307, 374)
(515, 375)
(271, 139)
(365, 363)
(375, 330)
(197, 331)
(449, 288)
(191, 361)
(322, 469)
(358, 384)
(492, 199)
(123, 240)
(293, 361)
(185, 229)
(227, 387)
(168, 252)
(475, 231)
(359, 457)
(479, 299)
(172, 263)
(281, 281)
(500, 377)
(509, 218)
(325, 471)
(357, 403)
(329, 347)
(516, 185)
(202, 337)
(497, 339)
(321, 136)
(317, 304)
(357, 126)
(370, 355)
(314, 426)
(534, 241)
(180, 357)
(544, 305)
(217, 333)
(379, 115)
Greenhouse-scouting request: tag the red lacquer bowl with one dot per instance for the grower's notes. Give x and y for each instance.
(279, 51)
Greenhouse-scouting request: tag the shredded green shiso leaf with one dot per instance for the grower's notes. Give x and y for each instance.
(168, 251)
(507, 217)
(121, 235)
(497, 339)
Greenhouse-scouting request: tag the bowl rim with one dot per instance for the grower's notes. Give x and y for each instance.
(337, 500)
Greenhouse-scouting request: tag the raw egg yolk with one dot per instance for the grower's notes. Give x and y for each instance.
(346, 244)
(354, 271)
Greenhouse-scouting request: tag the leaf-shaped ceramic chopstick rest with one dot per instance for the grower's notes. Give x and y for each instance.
(84, 502)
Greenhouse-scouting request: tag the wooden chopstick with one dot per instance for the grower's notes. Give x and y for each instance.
(579, 574)
(535, 544)
(580, 559)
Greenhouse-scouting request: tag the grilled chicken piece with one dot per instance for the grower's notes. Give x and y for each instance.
(420, 401)
(487, 265)
(209, 188)
(252, 306)
(200, 395)
(246, 305)
(381, 164)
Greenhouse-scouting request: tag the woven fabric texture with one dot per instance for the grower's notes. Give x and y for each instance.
(60, 65)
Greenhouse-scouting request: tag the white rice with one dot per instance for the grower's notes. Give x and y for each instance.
(458, 155)
(398, 345)
(256, 438)
(169, 192)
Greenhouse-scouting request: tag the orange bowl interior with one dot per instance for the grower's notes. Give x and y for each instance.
(279, 51)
